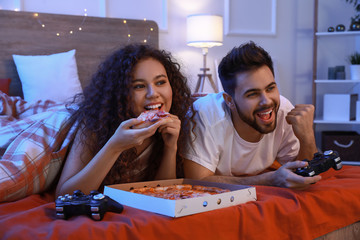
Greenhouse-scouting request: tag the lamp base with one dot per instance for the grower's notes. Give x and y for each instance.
(200, 84)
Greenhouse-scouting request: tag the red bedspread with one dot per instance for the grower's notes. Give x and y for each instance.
(279, 213)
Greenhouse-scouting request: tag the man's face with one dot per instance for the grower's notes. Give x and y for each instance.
(257, 99)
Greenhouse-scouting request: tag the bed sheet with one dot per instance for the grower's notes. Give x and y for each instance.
(279, 213)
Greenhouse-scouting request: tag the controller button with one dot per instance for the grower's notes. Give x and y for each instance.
(95, 209)
(60, 215)
(95, 216)
(328, 152)
(59, 209)
(312, 173)
(78, 193)
(99, 196)
(338, 166)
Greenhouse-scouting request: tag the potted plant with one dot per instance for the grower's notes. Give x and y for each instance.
(355, 20)
(354, 60)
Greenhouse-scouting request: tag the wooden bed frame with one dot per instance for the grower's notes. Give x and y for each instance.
(22, 33)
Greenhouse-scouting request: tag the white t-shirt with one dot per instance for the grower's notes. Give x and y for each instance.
(219, 148)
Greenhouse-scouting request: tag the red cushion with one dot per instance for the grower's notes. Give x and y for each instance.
(4, 85)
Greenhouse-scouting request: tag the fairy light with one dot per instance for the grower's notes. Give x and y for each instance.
(37, 16)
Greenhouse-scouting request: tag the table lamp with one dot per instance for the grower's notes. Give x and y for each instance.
(204, 31)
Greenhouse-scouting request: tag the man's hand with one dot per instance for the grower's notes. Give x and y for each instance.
(301, 119)
(285, 177)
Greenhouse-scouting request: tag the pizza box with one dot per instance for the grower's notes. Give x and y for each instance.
(177, 208)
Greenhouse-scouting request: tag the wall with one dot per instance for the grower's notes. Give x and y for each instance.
(291, 47)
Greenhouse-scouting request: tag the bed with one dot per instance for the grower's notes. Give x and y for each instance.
(329, 209)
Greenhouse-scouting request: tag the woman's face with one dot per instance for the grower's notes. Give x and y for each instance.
(150, 87)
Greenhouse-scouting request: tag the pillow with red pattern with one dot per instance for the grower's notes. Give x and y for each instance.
(4, 85)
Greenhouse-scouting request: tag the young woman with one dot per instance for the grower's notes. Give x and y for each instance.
(107, 149)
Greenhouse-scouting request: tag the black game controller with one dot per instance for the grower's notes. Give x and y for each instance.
(320, 163)
(95, 205)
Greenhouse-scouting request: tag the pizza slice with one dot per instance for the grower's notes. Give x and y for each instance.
(150, 116)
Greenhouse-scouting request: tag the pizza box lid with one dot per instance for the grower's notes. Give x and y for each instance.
(177, 208)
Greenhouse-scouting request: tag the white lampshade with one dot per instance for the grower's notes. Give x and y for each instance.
(204, 31)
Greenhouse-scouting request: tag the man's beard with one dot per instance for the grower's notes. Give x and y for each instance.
(263, 129)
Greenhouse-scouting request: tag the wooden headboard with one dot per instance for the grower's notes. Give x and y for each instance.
(28, 33)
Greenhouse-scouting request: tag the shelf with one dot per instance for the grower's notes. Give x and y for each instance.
(353, 163)
(336, 81)
(346, 33)
(321, 121)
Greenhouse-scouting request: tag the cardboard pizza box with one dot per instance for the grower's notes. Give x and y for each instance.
(177, 208)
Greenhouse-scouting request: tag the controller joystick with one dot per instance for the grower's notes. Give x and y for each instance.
(320, 163)
(95, 205)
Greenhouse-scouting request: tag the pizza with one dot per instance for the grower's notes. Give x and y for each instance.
(147, 117)
(179, 191)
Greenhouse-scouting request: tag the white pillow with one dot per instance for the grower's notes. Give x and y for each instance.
(48, 77)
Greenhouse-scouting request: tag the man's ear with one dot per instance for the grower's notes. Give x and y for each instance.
(228, 100)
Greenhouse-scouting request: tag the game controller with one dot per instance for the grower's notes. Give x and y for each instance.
(320, 163)
(95, 205)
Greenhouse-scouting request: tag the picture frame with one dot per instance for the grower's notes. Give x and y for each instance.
(245, 17)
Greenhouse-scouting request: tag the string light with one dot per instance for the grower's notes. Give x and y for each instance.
(80, 28)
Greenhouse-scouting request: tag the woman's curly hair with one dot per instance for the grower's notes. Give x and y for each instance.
(105, 102)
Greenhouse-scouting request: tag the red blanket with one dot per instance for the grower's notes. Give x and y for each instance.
(279, 213)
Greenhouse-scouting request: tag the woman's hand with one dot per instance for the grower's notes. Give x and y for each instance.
(170, 131)
(125, 137)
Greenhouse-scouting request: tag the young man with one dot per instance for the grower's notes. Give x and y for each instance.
(240, 133)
